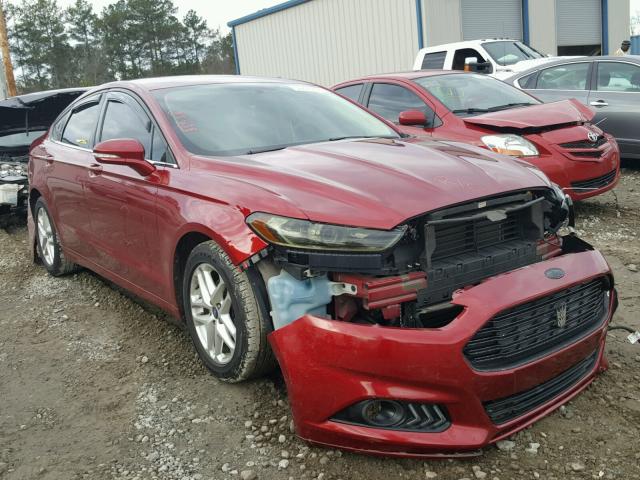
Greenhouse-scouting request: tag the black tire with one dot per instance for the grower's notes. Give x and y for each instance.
(55, 262)
(252, 356)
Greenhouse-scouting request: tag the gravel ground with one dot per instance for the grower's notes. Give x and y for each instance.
(95, 385)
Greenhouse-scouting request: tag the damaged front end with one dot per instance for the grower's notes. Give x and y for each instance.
(432, 339)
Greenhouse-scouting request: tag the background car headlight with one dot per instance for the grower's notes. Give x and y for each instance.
(293, 232)
(513, 145)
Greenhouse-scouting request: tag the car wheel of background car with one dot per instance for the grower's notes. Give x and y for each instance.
(48, 243)
(225, 317)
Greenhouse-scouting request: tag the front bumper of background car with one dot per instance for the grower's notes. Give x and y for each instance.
(581, 172)
(330, 365)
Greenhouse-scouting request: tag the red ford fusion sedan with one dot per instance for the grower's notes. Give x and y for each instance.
(556, 137)
(420, 298)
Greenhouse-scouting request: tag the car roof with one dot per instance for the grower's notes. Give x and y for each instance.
(465, 43)
(156, 83)
(410, 75)
(561, 61)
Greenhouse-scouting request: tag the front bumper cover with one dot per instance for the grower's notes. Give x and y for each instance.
(329, 365)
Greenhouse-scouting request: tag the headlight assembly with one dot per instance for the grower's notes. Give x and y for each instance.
(513, 145)
(297, 233)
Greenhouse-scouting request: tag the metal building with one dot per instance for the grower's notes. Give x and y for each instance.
(328, 41)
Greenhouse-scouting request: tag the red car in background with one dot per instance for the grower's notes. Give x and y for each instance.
(384, 273)
(556, 137)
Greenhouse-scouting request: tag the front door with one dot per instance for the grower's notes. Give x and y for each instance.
(616, 98)
(121, 202)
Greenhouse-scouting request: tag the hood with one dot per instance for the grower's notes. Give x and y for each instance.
(35, 111)
(374, 183)
(564, 112)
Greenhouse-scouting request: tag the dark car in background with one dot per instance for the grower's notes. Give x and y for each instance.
(24, 119)
(610, 85)
(559, 138)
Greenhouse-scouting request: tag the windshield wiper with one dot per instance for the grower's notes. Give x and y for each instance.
(347, 137)
(509, 105)
(266, 149)
(470, 110)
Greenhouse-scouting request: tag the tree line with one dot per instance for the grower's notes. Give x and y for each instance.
(52, 47)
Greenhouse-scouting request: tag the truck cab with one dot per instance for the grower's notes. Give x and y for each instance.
(498, 57)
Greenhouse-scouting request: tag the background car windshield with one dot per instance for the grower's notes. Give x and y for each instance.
(20, 139)
(469, 94)
(245, 118)
(508, 53)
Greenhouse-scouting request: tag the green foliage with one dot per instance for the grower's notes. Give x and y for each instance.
(56, 48)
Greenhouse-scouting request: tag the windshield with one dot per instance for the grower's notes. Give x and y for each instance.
(248, 118)
(510, 52)
(469, 94)
(20, 139)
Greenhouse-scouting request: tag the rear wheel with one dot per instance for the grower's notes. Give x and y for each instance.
(226, 321)
(48, 242)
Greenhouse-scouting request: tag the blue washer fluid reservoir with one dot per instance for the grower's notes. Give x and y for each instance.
(292, 298)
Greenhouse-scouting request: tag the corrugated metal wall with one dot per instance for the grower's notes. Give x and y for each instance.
(491, 19)
(578, 22)
(442, 21)
(329, 41)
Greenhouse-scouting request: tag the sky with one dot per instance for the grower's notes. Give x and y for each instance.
(219, 12)
(216, 12)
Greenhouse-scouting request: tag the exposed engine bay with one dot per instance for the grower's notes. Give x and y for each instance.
(13, 182)
(23, 120)
(411, 284)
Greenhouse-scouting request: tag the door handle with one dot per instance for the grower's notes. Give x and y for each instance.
(599, 103)
(95, 169)
(46, 157)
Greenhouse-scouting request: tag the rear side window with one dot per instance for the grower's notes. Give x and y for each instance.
(528, 81)
(352, 92)
(81, 125)
(572, 76)
(618, 77)
(389, 101)
(122, 121)
(434, 60)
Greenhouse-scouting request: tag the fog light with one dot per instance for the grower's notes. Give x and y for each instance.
(395, 415)
(382, 413)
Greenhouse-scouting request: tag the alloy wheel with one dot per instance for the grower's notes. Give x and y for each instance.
(212, 313)
(45, 237)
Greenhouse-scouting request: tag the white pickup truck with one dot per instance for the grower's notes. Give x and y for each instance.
(498, 57)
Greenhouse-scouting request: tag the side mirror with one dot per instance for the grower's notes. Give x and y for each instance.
(412, 117)
(123, 151)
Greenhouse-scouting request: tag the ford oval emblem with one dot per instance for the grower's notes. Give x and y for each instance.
(554, 273)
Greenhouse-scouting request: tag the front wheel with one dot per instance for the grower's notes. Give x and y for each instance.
(48, 242)
(227, 324)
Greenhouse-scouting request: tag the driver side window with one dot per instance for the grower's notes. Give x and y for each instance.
(572, 76)
(389, 101)
(122, 121)
(461, 55)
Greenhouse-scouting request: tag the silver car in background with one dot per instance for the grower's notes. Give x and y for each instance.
(610, 85)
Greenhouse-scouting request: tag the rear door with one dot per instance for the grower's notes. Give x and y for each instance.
(66, 164)
(561, 82)
(389, 99)
(615, 96)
